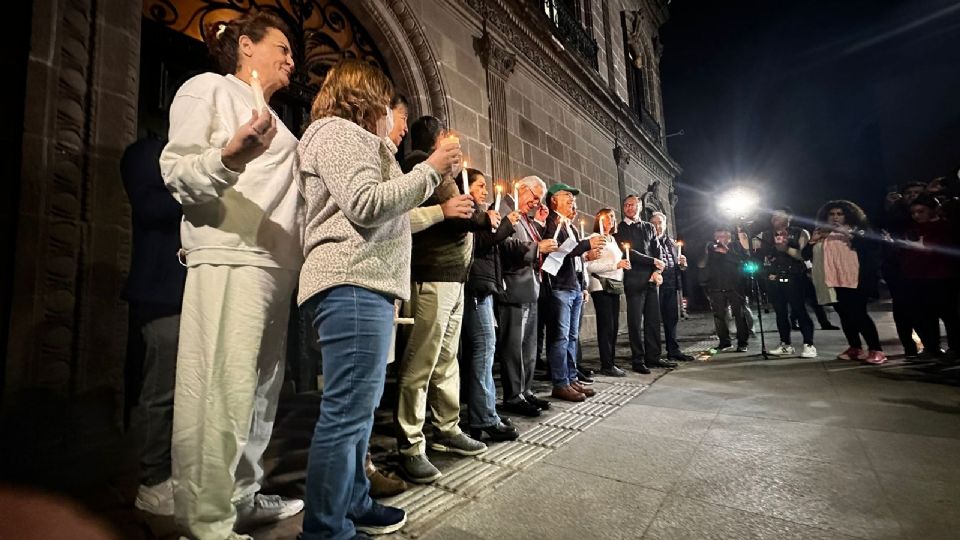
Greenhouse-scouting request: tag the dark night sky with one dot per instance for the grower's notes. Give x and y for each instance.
(811, 100)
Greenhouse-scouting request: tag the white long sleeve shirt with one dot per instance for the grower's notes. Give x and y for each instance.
(605, 266)
(253, 217)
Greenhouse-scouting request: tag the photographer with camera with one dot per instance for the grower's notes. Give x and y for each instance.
(780, 247)
(720, 271)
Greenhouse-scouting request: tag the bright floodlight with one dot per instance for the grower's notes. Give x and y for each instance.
(738, 202)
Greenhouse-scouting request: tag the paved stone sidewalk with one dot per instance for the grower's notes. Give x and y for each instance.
(740, 447)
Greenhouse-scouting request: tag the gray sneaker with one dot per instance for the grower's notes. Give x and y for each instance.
(458, 444)
(418, 469)
(265, 509)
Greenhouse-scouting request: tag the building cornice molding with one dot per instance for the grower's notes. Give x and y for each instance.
(581, 84)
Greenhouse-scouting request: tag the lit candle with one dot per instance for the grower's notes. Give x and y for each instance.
(556, 233)
(626, 251)
(463, 177)
(516, 198)
(496, 205)
(679, 248)
(257, 91)
(603, 225)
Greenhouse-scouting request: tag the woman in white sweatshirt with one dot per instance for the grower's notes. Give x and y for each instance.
(606, 286)
(231, 164)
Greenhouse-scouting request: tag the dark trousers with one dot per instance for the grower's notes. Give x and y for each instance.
(670, 315)
(854, 319)
(516, 347)
(720, 300)
(787, 296)
(933, 300)
(902, 318)
(607, 306)
(643, 323)
(543, 307)
(810, 295)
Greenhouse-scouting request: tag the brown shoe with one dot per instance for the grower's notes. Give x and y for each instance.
(385, 484)
(589, 392)
(567, 393)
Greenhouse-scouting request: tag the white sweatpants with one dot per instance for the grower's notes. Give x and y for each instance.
(230, 367)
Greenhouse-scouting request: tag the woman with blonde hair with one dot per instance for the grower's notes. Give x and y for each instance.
(357, 249)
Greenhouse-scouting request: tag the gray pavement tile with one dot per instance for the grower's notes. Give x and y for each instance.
(902, 419)
(926, 509)
(556, 503)
(685, 519)
(661, 395)
(647, 460)
(661, 421)
(798, 439)
(814, 410)
(822, 495)
(913, 456)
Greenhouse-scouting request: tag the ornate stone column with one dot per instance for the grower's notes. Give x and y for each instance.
(499, 65)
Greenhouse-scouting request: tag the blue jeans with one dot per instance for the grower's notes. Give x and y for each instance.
(563, 336)
(479, 344)
(354, 326)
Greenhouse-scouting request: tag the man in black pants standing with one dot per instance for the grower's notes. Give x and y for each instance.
(674, 263)
(643, 302)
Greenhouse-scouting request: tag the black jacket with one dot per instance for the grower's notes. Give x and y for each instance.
(568, 278)
(156, 278)
(724, 271)
(443, 252)
(672, 276)
(644, 248)
(486, 273)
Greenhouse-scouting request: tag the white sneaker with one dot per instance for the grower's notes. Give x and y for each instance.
(783, 350)
(264, 509)
(809, 351)
(157, 500)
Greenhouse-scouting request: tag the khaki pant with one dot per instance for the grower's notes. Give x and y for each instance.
(229, 371)
(429, 372)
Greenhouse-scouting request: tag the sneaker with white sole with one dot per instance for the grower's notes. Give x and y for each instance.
(380, 519)
(783, 350)
(876, 358)
(157, 500)
(809, 351)
(265, 509)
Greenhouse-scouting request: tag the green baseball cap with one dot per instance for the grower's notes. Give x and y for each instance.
(554, 189)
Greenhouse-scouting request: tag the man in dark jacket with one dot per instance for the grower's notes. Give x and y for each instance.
(675, 263)
(567, 288)
(722, 265)
(154, 290)
(643, 301)
(517, 304)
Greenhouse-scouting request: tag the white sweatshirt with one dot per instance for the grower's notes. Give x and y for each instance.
(605, 266)
(254, 217)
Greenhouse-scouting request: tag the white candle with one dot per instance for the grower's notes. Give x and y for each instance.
(626, 251)
(603, 225)
(516, 198)
(463, 177)
(257, 91)
(496, 204)
(581, 228)
(679, 249)
(556, 233)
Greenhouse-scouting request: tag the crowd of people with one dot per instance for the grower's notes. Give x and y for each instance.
(913, 248)
(367, 237)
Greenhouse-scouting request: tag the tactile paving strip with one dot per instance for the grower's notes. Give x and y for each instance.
(427, 506)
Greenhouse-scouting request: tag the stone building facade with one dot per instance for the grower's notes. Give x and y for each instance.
(564, 89)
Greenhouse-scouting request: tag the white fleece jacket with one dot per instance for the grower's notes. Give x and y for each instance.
(253, 217)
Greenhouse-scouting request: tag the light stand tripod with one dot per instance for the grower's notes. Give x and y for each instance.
(752, 268)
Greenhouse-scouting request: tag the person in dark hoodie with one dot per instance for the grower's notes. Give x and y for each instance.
(429, 372)
(479, 338)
